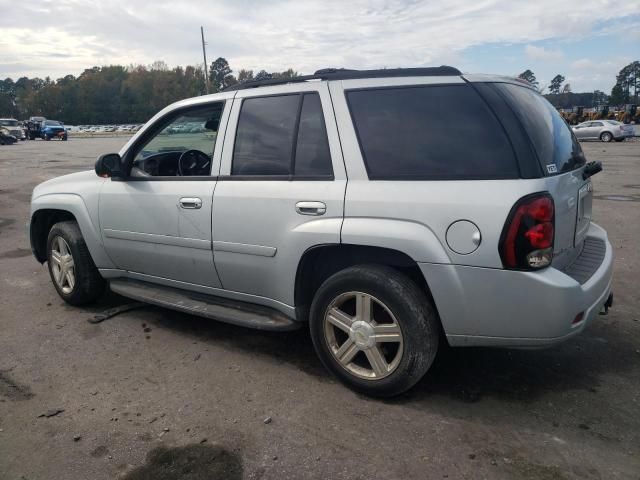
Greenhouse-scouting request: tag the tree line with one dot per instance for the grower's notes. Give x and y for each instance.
(117, 94)
(624, 91)
(133, 94)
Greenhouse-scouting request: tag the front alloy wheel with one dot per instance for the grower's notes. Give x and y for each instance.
(363, 335)
(62, 265)
(72, 270)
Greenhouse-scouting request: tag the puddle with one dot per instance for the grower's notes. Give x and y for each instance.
(191, 462)
(12, 390)
(4, 222)
(17, 253)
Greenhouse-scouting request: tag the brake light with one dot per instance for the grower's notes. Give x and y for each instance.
(527, 237)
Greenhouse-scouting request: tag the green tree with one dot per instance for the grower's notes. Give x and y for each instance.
(529, 76)
(556, 84)
(245, 75)
(263, 75)
(617, 95)
(219, 73)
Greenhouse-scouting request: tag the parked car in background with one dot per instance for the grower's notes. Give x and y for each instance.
(346, 200)
(14, 127)
(6, 138)
(53, 129)
(603, 130)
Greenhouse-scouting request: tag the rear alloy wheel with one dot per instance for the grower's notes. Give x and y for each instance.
(348, 335)
(606, 137)
(375, 329)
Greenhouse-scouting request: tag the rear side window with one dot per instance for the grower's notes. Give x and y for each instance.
(555, 144)
(312, 148)
(282, 135)
(440, 132)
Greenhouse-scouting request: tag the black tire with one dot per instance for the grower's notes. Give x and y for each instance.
(89, 284)
(414, 313)
(606, 137)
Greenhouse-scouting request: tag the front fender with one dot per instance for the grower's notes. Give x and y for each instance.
(74, 204)
(411, 238)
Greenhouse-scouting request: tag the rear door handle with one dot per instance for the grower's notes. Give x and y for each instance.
(311, 208)
(190, 202)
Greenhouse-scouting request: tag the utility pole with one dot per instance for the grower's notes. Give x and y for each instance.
(206, 67)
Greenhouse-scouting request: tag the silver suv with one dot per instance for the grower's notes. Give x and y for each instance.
(390, 210)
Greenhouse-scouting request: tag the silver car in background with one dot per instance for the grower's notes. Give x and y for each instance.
(603, 130)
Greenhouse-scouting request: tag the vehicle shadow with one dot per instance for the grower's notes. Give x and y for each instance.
(465, 375)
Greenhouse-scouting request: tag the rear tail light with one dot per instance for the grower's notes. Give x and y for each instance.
(527, 237)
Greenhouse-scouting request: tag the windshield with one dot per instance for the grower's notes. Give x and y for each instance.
(555, 144)
(9, 123)
(52, 123)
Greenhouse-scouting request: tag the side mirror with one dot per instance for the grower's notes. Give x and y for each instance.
(109, 165)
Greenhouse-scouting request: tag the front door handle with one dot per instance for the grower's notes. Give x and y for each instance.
(311, 208)
(190, 202)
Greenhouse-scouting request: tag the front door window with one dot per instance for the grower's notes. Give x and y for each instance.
(183, 146)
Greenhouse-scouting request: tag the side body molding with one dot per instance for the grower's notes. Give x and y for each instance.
(411, 238)
(74, 204)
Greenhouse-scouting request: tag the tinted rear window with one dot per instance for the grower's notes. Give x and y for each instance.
(555, 144)
(430, 132)
(264, 139)
(312, 157)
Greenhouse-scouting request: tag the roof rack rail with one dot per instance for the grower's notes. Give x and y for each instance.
(347, 74)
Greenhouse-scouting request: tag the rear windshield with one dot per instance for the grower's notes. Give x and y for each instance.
(555, 144)
(9, 123)
(433, 132)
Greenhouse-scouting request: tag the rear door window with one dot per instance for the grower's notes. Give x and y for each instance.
(557, 148)
(283, 135)
(429, 133)
(264, 139)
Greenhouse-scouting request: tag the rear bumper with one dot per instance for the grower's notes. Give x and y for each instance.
(494, 307)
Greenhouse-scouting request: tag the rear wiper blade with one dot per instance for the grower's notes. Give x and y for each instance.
(591, 168)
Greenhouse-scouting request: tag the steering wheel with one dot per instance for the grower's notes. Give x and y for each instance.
(194, 162)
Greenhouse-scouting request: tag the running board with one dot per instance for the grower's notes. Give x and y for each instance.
(229, 311)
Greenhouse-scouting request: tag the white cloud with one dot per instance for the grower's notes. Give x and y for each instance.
(541, 53)
(583, 64)
(278, 34)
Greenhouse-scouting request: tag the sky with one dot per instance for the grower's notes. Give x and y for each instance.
(587, 41)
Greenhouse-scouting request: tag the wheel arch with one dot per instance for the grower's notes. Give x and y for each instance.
(52, 208)
(41, 222)
(321, 261)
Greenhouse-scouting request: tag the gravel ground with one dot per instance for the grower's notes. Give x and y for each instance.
(152, 394)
